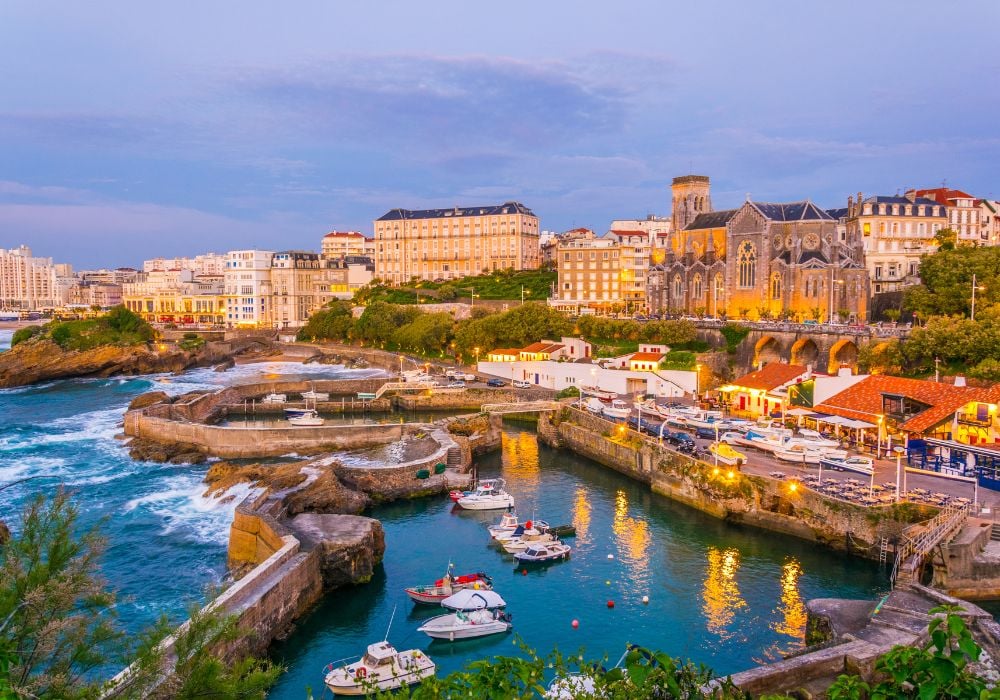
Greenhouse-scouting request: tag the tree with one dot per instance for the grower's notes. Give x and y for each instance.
(893, 314)
(881, 358)
(946, 282)
(426, 334)
(447, 292)
(517, 327)
(333, 322)
(946, 239)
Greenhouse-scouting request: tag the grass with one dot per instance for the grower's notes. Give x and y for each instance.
(609, 347)
(499, 285)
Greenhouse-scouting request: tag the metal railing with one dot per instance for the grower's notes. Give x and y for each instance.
(945, 524)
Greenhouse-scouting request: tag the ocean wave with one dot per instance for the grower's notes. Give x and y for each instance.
(94, 426)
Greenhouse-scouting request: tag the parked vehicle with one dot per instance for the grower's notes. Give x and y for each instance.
(641, 424)
(519, 384)
(705, 433)
(495, 382)
(468, 377)
(678, 438)
(456, 385)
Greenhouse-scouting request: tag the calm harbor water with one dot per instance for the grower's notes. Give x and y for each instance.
(719, 594)
(722, 595)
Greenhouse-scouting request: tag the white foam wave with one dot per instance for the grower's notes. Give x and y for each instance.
(95, 426)
(20, 468)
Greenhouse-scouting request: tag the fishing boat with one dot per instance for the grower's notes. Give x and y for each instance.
(863, 465)
(530, 528)
(308, 418)
(543, 552)
(598, 393)
(520, 544)
(448, 586)
(487, 497)
(315, 395)
(593, 405)
(381, 668)
(456, 494)
(508, 523)
(275, 398)
(476, 614)
(292, 412)
(617, 409)
(726, 453)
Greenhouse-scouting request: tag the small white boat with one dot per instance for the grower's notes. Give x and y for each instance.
(593, 405)
(275, 398)
(447, 586)
(528, 527)
(309, 418)
(508, 523)
(617, 409)
(803, 454)
(466, 625)
(381, 668)
(863, 465)
(520, 544)
(490, 498)
(291, 412)
(598, 393)
(814, 439)
(315, 396)
(542, 552)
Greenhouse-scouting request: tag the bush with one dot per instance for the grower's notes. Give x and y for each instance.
(23, 334)
(568, 392)
(734, 334)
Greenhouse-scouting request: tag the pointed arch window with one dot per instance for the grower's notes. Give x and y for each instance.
(776, 285)
(678, 287)
(697, 287)
(746, 264)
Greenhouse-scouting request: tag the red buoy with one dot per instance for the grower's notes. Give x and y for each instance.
(524, 572)
(576, 624)
(611, 603)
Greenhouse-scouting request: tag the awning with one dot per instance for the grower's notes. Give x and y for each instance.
(799, 412)
(841, 421)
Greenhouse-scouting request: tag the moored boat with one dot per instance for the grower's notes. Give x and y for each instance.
(543, 552)
(727, 454)
(594, 405)
(862, 465)
(487, 497)
(597, 393)
(519, 544)
(508, 523)
(447, 586)
(381, 668)
(476, 614)
(315, 395)
(617, 409)
(308, 418)
(275, 398)
(800, 454)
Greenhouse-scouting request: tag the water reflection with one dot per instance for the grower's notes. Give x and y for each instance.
(721, 595)
(519, 456)
(791, 609)
(632, 535)
(581, 515)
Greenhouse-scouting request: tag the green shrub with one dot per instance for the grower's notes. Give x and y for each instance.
(568, 392)
(26, 333)
(734, 334)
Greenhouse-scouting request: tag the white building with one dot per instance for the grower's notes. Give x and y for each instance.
(206, 264)
(556, 375)
(340, 244)
(248, 288)
(989, 221)
(27, 283)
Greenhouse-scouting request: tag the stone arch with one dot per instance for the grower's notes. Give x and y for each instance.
(843, 352)
(805, 352)
(767, 349)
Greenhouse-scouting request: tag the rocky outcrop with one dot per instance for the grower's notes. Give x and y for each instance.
(41, 360)
(4, 532)
(301, 486)
(148, 399)
(145, 450)
(349, 546)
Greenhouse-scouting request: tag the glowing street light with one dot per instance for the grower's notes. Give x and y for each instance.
(476, 350)
(974, 289)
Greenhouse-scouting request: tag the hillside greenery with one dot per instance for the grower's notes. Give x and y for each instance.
(117, 327)
(498, 285)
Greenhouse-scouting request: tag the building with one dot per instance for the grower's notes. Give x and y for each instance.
(206, 264)
(340, 244)
(645, 361)
(447, 244)
(634, 259)
(895, 232)
(589, 276)
(295, 275)
(341, 278)
(989, 221)
(94, 294)
(119, 276)
(652, 226)
(556, 375)
(962, 210)
(27, 283)
(248, 288)
(762, 260)
(177, 296)
(549, 244)
(764, 391)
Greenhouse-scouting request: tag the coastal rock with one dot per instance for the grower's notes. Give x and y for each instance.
(326, 495)
(4, 532)
(148, 399)
(222, 476)
(144, 450)
(303, 488)
(224, 365)
(350, 546)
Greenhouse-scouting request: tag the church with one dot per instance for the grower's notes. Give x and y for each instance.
(793, 261)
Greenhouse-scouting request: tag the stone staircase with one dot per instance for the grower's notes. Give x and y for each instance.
(995, 533)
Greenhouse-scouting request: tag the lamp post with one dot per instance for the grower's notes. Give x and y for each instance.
(476, 350)
(523, 293)
(899, 479)
(472, 296)
(878, 446)
(974, 288)
(697, 381)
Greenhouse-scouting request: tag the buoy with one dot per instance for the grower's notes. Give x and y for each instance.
(645, 600)
(524, 572)
(611, 603)
(607, 583)
(575, 624)
(611, 556)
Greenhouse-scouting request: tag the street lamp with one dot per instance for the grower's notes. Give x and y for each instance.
(523, 293)
(697, 381)
(899, 479)
(974, 288)
(476, 350)
(473, 295)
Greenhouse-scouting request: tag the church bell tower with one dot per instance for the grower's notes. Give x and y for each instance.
(691, 196)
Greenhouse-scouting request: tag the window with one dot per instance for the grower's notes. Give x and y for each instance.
(696, 287)
(776, 285)
(746, 262)
(678, 287)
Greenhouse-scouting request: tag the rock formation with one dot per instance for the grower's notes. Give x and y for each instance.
(4, 532)
(145, 450)
(302, 486)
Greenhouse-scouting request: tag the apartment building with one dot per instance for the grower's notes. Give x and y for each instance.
(963, 213)
(248, 289)
(895, 232)
(989, 221)
(341, 244)
(445, 244)
(295, 275)
(206, 264)
(590, 276)
(634, 261)
(177, 296)
(27, 283)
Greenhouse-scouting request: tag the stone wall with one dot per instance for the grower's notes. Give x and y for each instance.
(469, 399)
(967, 568)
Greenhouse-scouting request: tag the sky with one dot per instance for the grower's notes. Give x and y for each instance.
(132, 130)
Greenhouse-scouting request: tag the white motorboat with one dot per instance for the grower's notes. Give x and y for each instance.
(804, 454)
(315, 395)
(291, 411)
(519, 544)
(508, 523)
(466, 625)
(594, 405)
(542, 552)
(308, 418)
(617, 409)
(275, 398)
(863, 465)
(487, 497)
(597, 393)
(704, 419)
(448, 586)
(381, 668)
(769, 442)
(530, 528)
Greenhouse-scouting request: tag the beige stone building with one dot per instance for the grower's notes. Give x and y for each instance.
(989, 221)
(177, 296)
(341, 244)
(590, 276)
(446, 244)
(895, 232)
(963, 213)
(294, 277)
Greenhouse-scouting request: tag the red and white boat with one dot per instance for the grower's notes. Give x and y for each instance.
(487, 484)
(444, 587)
(598, 393)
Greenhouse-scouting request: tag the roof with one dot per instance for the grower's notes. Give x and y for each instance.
(489, 210)
(646, 357)
(771, 376)
(838, 213)
(793, 211)
(542, 347)
(944, 195)
(627, 232)
(712, 219)
(864, 400)
(344, 234)
(505, 351)
(903, 201)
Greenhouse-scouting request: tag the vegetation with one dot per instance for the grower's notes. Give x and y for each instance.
(59, 633)
(500, 284)
(679, 360)
(117, 327)
(734, 334)
(570, 391)
(191, 341)
(946, 282)
(881, 358)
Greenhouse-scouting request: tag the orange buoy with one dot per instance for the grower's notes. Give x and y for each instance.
(524, 572)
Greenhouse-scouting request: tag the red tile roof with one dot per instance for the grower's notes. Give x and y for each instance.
(863, 401)
(646, 357)
(505, 351)
(771, 376)
(943, 195)
(344, 234)
(542, 347)
(627, 232)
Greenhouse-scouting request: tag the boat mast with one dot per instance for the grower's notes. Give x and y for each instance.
(391, 617)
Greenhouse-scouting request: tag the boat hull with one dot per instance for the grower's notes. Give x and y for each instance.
(449, 628)
(346, 681)
(472, 503)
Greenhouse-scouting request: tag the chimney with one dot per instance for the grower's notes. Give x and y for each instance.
(959, 381)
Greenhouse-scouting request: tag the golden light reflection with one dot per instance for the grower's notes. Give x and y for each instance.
(519, 456)
(721, 594)
(791, 609)
(581, 515)
(632, 534)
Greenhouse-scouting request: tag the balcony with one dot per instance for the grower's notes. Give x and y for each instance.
(972, 419)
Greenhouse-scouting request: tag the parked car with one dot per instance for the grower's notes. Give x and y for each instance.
(466, 377)
(456, 385)
(676, 425)
(680, 439)
(652, 428)
(518, 384)
(495, 382)
(640, 424)
(810, 322)
(451, 373)
(705, 433)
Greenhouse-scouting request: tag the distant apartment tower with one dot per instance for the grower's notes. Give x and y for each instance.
(206, 264)
(452, 243)
(248, 288)
(340, 244)
(27, 283)
(294, 275)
